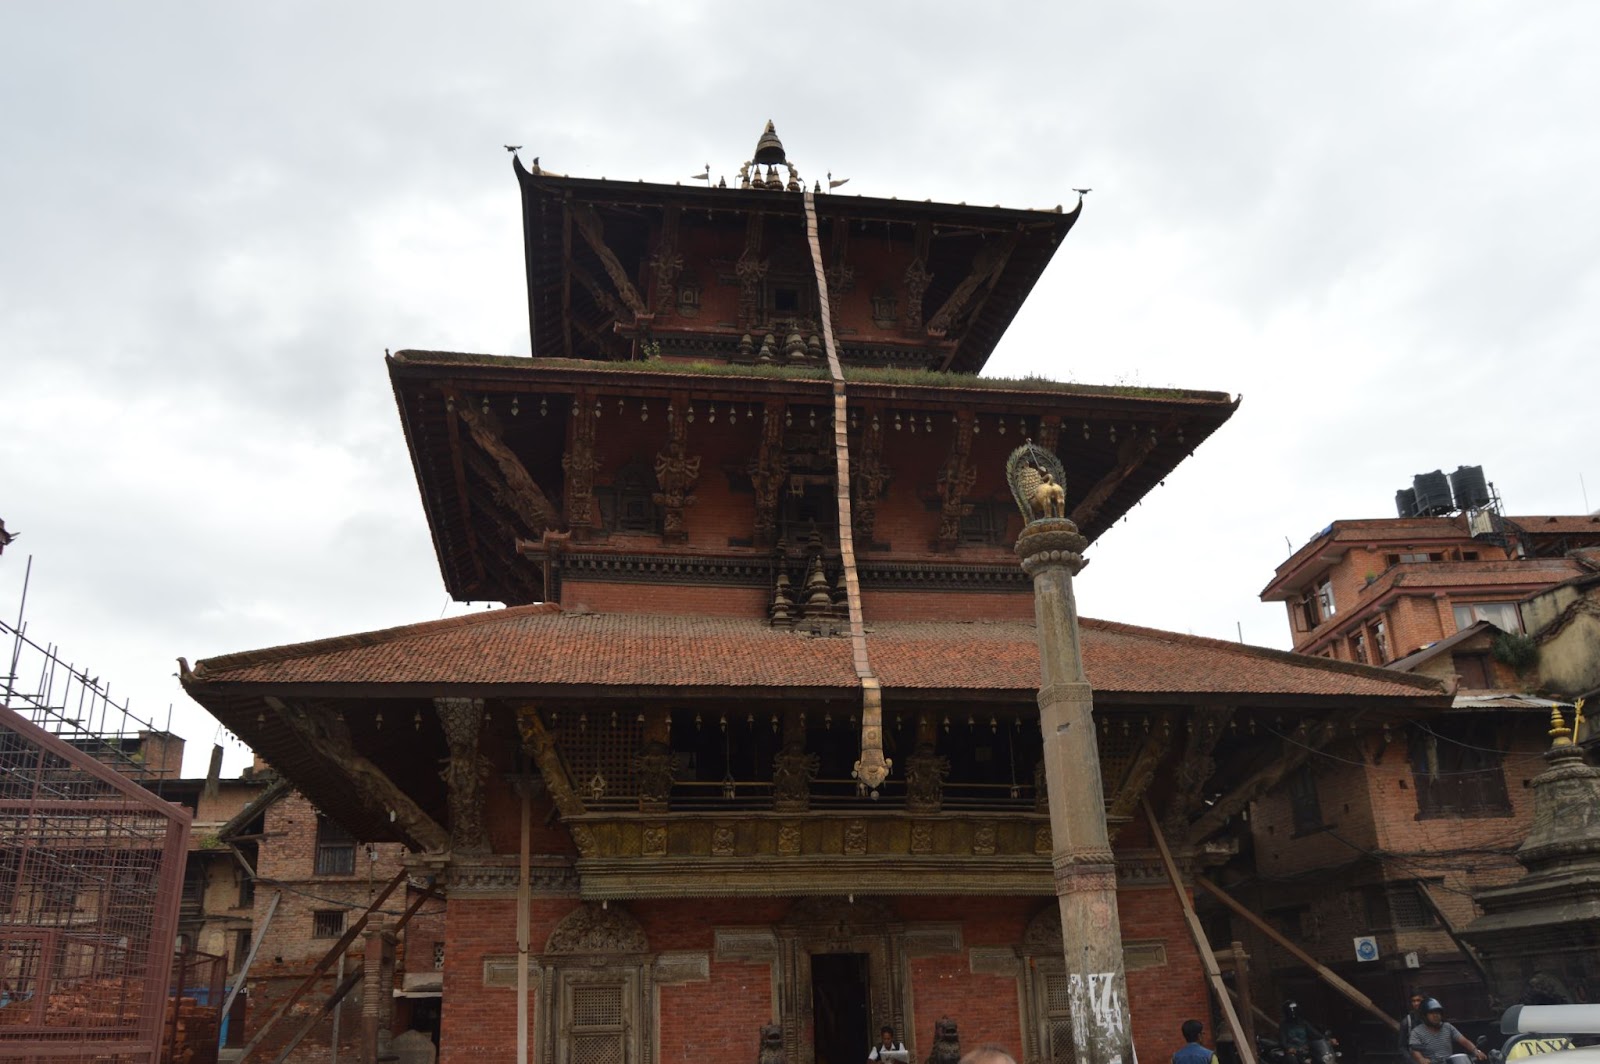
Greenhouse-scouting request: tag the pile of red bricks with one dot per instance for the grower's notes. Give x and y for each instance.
(190, 1035)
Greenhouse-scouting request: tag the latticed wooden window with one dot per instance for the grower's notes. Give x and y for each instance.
(1058, 1020)
(596, 1025)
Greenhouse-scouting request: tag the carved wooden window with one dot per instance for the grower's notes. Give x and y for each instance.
(628, 505)
(1048, 1005)
(985, 525)
(600, 1019)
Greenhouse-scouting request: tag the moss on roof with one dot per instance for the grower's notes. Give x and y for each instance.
(913, 378)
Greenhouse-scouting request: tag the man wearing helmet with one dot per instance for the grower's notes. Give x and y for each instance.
(1433, 1040)
(1297, 1033)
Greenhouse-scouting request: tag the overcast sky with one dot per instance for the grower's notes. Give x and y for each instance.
(1376, 221)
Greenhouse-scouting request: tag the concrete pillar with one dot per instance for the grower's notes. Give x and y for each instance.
(1085, 870)
(377, 993)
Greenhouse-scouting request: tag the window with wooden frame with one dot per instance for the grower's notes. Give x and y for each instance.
(327, 923)
(1456, 766)
(336, 849)
(1304, 805)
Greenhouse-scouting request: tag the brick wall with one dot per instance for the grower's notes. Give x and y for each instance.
(1367, 793)
(716, 1021)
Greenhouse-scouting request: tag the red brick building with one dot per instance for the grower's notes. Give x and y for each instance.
(746, 507)
(1377, 589)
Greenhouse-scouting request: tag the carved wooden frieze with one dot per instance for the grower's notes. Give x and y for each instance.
(465, 773)
(723, 840)
(751, 271)
(855, 837)
(653, 770)
(792, 768)
(869, 476)
(917, 278)
(580, 463)
(667, 263)
(955, 482)
(677, 472)
(768, 473)
(596, 928)
(789, 839)
(925, 775)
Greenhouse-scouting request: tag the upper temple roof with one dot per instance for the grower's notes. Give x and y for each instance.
(613, 266)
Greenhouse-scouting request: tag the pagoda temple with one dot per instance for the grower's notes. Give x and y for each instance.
(751, 762)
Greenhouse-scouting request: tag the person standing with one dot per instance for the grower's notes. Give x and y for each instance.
(1193, 1052)
(1409, 1021)
(1433, 1040)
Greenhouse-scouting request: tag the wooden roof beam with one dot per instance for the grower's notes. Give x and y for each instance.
(521, 493)
(589, 227)
(987, 265)
(458, 469)
(1131, 791)
(1306, 740)
(1131, 454)
(325, 733)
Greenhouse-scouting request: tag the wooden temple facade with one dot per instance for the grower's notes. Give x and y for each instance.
(651, 776)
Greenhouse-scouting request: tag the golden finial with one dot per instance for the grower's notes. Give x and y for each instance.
(1560, 734)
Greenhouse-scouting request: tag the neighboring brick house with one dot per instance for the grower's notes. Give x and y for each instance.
(1374, 590)
(315, 879)
(1388, 834)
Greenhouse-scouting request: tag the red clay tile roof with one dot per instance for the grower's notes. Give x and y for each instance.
(1559, 524)
(546, 647)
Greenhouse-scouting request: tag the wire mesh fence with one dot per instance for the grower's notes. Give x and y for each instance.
(91, 870)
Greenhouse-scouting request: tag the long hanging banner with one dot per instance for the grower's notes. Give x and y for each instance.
(873, 768)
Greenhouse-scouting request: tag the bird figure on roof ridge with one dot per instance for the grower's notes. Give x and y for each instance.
(513, 147)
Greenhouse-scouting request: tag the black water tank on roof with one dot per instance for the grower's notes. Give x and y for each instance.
(1433, 492)
(1470, 489)
(1405, 501)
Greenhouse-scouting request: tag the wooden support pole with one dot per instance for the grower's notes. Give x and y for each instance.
(1322, 970)
(342, 990)
(334, 952)
(523, 920)
(1241, 980)
(1243, 1043)
(1455, 936)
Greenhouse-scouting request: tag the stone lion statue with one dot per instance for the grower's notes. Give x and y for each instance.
(946, 1042)
(771, 1044)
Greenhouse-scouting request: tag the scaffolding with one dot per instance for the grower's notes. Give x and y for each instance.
(74, 705)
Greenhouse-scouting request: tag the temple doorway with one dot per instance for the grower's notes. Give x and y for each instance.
(840, 1008)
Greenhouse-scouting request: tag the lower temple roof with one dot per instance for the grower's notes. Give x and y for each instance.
(543, 649)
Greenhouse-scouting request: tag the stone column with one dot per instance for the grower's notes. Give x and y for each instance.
(1085, 870)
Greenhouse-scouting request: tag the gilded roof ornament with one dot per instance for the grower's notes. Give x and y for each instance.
(770, 154)
(1038, 483)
